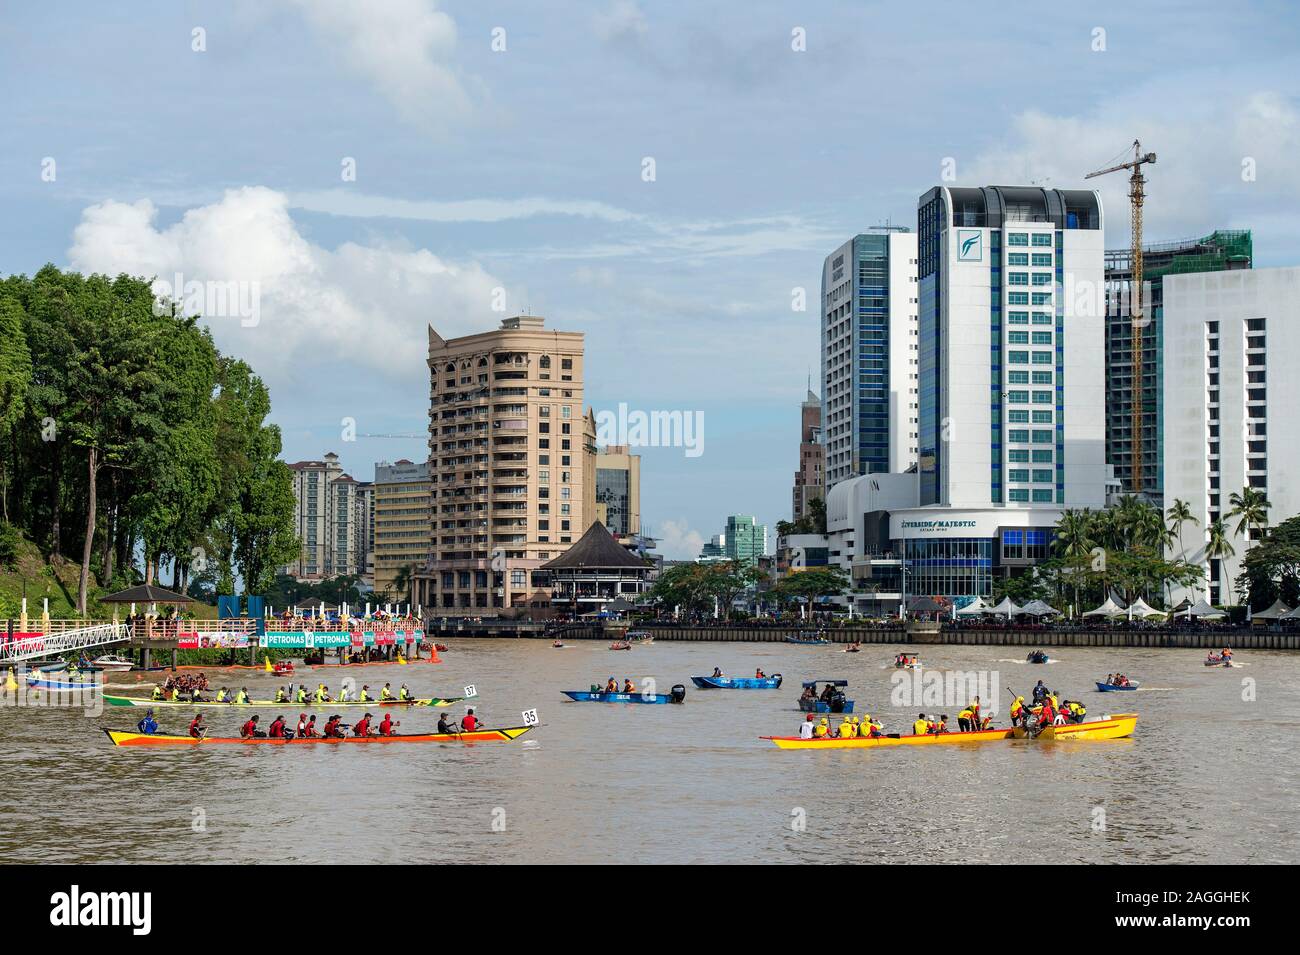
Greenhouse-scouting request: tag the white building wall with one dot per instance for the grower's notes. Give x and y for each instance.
(964, 395)
(903, 405)
(1085, 366)
(1192, 455)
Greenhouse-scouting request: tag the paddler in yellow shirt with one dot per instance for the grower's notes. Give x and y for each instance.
(365, 696)
(871, 728)
(846, 730)
(157, 693)
(921, 726)
(1018, 711)
(823, 728)
(321, 695)
(241, 698)
(386, 694)
(965, 720)
(281, 696)
(301, 696)
(404, 693)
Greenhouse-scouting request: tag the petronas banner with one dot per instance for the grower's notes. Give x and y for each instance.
(328, 640)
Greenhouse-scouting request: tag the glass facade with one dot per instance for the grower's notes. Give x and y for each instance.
(952, 567)
(871, 315)
(931, 222)
(612, 490)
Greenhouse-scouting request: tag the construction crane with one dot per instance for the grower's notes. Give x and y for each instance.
(1136, 193)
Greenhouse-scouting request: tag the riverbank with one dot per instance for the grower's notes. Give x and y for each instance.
(1246, 638)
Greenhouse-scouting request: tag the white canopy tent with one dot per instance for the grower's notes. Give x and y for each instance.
(1202, 608)
(1278, 611)
(1005, 609)
(1108, 609)
(1140, 608)
(1038, 608)
(1291, 615)
(974, 608)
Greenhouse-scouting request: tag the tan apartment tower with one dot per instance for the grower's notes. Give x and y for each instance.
(618, 490)
(808, 479)
(401, 525)
(511, 465)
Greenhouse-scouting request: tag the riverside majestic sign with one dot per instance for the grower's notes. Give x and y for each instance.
(935, 527)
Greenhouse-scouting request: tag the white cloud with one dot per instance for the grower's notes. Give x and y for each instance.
(358, 308)
(1196, 183)
(622, 22)
(404, 47)
(678, 542)
(345, 202)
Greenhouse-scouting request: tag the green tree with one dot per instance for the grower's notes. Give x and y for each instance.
(15, 377)
(1178, 514)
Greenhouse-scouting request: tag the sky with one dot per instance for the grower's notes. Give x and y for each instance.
(666, 177)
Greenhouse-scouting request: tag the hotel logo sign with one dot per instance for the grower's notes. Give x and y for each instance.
(970, 245)
(936, 527)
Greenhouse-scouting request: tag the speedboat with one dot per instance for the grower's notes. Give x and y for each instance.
(114, 663)
(836, 702)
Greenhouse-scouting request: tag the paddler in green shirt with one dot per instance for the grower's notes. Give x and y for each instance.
(301, 697)
(241, 698)
(281, 696)
(404, 693)
(386, 693)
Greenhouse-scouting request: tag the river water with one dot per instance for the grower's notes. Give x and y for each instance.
(1211, 775)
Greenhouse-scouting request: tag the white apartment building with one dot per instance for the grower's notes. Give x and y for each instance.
(327, 521)
(1231, 399)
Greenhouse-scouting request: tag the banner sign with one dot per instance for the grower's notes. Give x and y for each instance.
(211, 641)
(331, 640)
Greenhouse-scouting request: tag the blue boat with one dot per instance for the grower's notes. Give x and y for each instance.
(1038, 656)
(39, 684)
(837, 703)
(1112, 688)
(592, 696)
(737, 683)
(808, 641)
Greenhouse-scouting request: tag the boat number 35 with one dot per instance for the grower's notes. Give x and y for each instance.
(530, 717)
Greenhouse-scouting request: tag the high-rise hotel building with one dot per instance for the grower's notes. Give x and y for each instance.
(1012, 381)
(868, 355)
(511, 464)
(1230, 400)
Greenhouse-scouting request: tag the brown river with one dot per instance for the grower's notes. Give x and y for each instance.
(1211, 775)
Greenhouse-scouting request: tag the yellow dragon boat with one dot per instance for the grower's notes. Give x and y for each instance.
(1109, 727)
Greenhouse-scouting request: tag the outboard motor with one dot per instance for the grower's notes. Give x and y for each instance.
(678, 693)
(837, 702)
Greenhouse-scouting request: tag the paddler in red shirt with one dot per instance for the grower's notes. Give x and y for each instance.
(469, 723)
(332, 729)
(276, 729)
(362, 726)
(197, 729)
(386, 727)
(249, 729)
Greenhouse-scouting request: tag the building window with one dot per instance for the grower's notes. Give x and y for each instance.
(1018, 238)
(1042, 239)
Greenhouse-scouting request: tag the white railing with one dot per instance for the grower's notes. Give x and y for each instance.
(65, 641)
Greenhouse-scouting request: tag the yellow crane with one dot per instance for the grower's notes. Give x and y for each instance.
(1136, 193)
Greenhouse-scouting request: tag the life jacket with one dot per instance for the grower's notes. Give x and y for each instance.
(965, 714)
(320, 694)
(302, 694)
(404, 694)
(194, 726)
(847, 731)
(157, 693)
(628, 687)
(362, 727)
(176, 694)
(385, 694)
(222, 696)
(277, 729)
(819, 730)
(984, 723)
(248, 729)
(920, 727)
(365, 697)
(281, 696)
(241, 697)
(386, 727)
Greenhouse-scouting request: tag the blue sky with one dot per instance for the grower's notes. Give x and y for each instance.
(480, 169)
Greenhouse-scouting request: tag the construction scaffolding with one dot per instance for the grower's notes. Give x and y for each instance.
(1222, 250)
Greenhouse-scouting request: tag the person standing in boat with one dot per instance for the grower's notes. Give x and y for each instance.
(1018, 711)
(1040, 693)
(965, 720)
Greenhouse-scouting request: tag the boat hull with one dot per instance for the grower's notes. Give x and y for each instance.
(39, 684)
(737, 683)
(586, 696)
(1113, 727)
(135, 701)
(1112, 688)
(817, 706)
(866, 742)
(505, 735)
(807, 643)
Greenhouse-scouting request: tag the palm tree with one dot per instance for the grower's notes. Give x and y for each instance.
(1250, 506)
(1180, 513)
(1219, 546)
(1074, 536)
